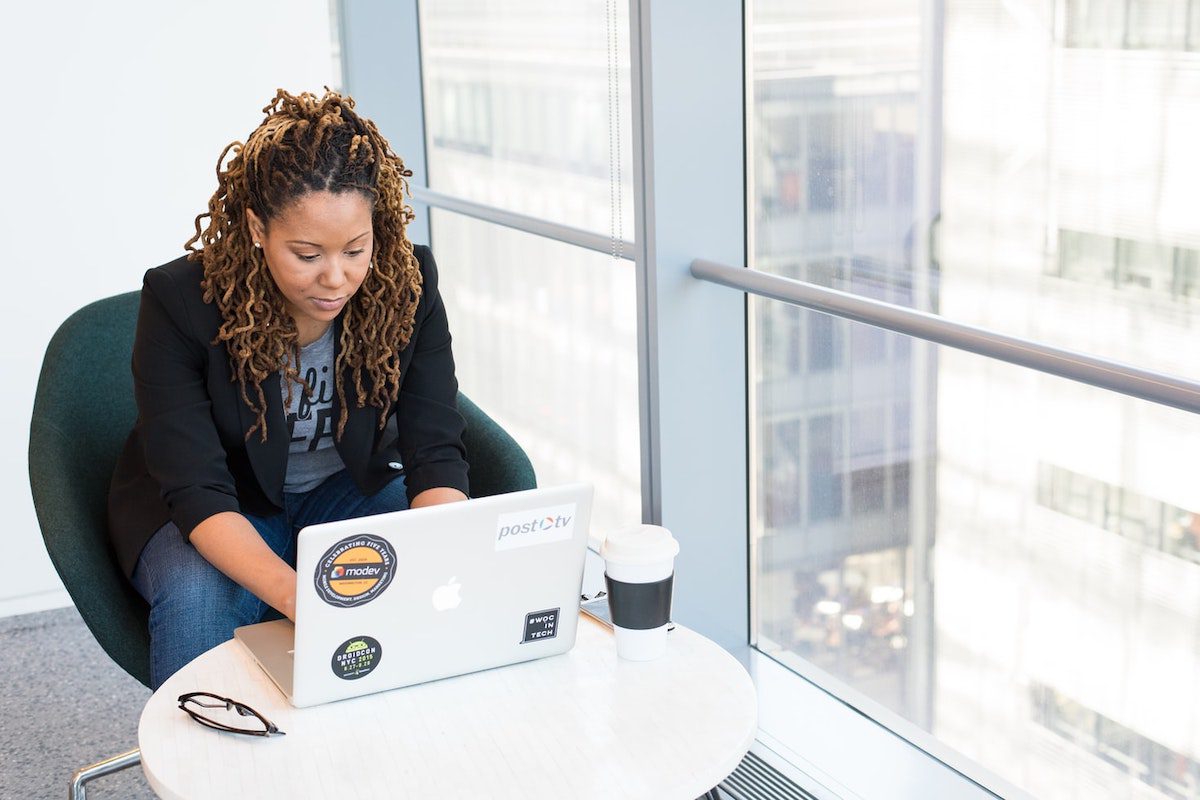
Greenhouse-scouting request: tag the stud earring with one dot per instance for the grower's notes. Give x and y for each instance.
(258, 245)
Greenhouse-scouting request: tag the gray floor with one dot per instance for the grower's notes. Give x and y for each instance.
(63, 704)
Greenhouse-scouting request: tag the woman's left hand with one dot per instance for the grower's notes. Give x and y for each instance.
(437, 496)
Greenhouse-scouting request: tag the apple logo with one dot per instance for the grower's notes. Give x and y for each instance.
(446, 597)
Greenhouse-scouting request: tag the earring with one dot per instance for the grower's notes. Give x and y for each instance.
(258, 245)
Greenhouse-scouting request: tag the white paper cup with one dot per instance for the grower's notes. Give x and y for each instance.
(639, 565)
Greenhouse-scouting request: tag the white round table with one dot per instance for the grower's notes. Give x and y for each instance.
(577, 725)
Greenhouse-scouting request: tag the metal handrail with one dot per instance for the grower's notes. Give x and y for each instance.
(1157, 387)
(579, 237)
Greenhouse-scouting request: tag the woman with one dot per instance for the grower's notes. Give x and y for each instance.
(293, 369)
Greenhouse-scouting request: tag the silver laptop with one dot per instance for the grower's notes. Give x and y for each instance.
(398, 599)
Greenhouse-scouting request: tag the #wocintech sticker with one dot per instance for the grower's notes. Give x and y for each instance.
(356, 657)
(354, 571)
(541, 625)
(541, 526)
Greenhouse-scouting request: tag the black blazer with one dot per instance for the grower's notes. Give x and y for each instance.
(187, 457)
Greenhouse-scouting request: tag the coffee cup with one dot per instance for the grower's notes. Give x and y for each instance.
(639, 570)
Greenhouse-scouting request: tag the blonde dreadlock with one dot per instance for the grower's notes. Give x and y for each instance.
(305, 144)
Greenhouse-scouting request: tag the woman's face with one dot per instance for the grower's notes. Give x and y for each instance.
(318, 250)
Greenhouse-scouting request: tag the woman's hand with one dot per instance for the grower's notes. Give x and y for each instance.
(437, 496)
(287, 605)
(234, 546)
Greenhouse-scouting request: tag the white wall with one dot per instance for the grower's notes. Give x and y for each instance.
(114, 116)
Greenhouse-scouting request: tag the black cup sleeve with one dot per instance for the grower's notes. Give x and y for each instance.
(639, 606)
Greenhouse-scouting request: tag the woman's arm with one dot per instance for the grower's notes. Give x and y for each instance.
(429, 426)
(234, 546)
(183, 450)
(437, 496)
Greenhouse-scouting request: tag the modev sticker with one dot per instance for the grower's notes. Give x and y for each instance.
(356, 657)
(540, 526)
(354, 571)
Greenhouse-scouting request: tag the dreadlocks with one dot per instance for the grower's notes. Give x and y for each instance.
(305, 144)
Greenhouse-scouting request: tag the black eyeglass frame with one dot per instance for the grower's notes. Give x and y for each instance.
(229, 705)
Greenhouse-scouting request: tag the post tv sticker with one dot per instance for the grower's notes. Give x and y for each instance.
(541, 625)
(356, 657)
(540, 526)
(354, 571)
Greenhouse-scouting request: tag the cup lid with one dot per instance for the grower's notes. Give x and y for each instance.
(639, 544)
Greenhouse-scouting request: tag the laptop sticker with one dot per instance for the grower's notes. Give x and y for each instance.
(356, 657)
(540, 526)
(354, 571)
(541, 625)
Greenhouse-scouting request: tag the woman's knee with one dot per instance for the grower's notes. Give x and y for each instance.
(201, 594)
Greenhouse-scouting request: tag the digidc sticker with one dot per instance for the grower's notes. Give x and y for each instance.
(356, 657)
(541, 625)
(354, 571)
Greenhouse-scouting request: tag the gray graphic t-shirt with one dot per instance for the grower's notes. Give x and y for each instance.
(311, 455)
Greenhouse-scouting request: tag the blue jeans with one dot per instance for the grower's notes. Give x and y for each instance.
(195, 607)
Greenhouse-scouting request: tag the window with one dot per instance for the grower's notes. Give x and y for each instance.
(1095, 23)
(1172, 773)
(1157, 24)
(1129, 24)
(1187, 270)
(946, 611)
(545, 342)
(1145, 265)
(1087, 257)
(1152, 524)
(527, 110)
(520, 110)
(824, 468)
(1161, 270)
(972, 533)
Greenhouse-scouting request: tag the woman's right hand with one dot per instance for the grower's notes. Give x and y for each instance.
(287, 606)
(234, 546)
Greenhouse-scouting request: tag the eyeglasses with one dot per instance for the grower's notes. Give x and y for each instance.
(207, 708)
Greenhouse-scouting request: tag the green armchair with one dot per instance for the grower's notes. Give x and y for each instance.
(82, 412)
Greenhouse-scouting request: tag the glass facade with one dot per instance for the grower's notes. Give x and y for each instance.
(993, 554)
(545, 341)
(527, 108)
